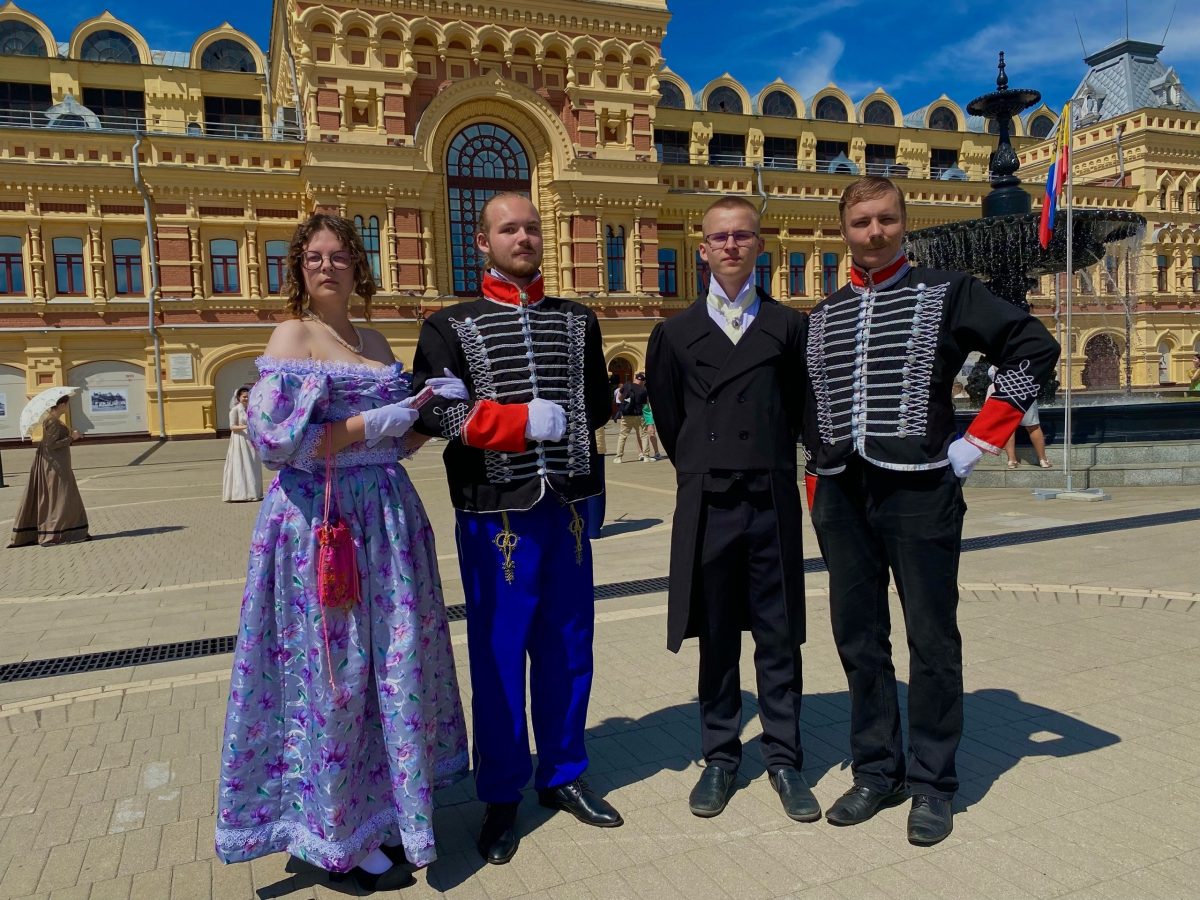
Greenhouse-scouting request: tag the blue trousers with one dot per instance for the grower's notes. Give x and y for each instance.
(527, 576)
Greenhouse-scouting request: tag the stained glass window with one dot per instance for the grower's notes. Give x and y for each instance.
(483, 160)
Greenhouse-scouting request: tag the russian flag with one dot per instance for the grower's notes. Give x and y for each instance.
(1056, 178)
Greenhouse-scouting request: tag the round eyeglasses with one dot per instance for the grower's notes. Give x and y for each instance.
(719, 239)
(339, 259)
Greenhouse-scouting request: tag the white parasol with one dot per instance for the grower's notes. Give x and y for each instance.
(42, 404)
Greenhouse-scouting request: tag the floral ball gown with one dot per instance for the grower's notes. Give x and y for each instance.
(341, 723)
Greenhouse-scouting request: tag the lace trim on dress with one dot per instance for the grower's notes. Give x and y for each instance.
(340, 856)
(268, 364)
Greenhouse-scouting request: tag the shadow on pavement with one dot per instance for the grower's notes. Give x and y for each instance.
(1001, 730)
(623, 526)
(139, 532)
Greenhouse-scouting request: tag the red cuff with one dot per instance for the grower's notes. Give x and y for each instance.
(994, 425)
(496, 426)
(810, 489)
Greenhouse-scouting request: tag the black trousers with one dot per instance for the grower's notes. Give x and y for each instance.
(741, 580)
(869, 520)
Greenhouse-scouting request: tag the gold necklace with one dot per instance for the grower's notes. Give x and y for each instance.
(357, 350)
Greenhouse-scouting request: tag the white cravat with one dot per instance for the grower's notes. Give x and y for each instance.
(730, 315)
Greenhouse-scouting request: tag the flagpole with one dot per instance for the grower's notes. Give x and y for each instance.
(1070, 285)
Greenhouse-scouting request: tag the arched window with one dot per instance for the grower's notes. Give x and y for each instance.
(943, 119)
(879, 113)
(368, 230)
(1102, 363)
(109, 46)
(668, 272)
(127, 267)
(1164, 363)
(724, 99)
(223, 258)
(670, 96)
(20, 39)
(482, 160)
(12, 270)
(277, 276)
(227, 56)
(614, 251)
(831, 109)
(1041, 126)
(703, 273)
(68, 266)
(778, 103)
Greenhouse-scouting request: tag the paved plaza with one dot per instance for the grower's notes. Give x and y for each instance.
(1081, 776)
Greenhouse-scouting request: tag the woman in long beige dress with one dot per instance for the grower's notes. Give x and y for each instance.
(51, 512)
(242, 480)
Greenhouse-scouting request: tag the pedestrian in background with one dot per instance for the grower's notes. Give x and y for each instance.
(650, 435)
(242, 480)
(51, 512)
(631, 398)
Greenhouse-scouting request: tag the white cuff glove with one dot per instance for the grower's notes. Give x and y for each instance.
(547, 421)
(449, 388)
(963, 455)
(393, 420)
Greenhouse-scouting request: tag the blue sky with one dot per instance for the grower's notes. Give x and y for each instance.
(916, 49)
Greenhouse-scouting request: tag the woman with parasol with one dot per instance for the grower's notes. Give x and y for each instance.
(51, 512)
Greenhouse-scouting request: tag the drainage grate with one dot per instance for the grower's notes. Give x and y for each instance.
(136, 656)
(115, 659)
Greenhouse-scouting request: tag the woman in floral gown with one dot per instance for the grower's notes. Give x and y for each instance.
(340, 723)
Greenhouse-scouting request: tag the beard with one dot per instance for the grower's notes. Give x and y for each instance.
(518, 267)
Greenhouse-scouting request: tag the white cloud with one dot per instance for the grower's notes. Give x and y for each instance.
(811, 67)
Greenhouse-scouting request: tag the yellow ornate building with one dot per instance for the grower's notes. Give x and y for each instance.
(147, 196)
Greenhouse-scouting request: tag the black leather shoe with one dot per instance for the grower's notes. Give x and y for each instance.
(712, 792)
(498, 839)
(796, 796)
(860, 803)
(930, 820)
(582, 802)
(393, 879)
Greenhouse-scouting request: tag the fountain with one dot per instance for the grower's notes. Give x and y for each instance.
(1002, 249)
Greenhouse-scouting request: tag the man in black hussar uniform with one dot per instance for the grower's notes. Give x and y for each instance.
(727, 381)
(885, 491)
(521, 455)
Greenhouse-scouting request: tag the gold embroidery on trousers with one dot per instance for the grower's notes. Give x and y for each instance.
(506, 543)
(576, 527)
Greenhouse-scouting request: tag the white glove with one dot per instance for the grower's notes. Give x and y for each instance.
(547, 421)
(963, 455)
(450, 387)
(393, 420)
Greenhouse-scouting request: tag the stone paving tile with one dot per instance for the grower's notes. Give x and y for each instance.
(1078, 766)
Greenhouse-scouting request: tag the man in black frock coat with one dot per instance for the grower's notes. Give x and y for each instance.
(727, 381)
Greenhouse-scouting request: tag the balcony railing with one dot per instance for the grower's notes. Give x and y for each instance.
(727, 159)
(102, 122)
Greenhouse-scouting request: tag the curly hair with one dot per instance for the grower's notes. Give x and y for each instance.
(343, 229)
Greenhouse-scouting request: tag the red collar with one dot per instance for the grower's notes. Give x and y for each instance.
(503, 291)
(861, 278)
